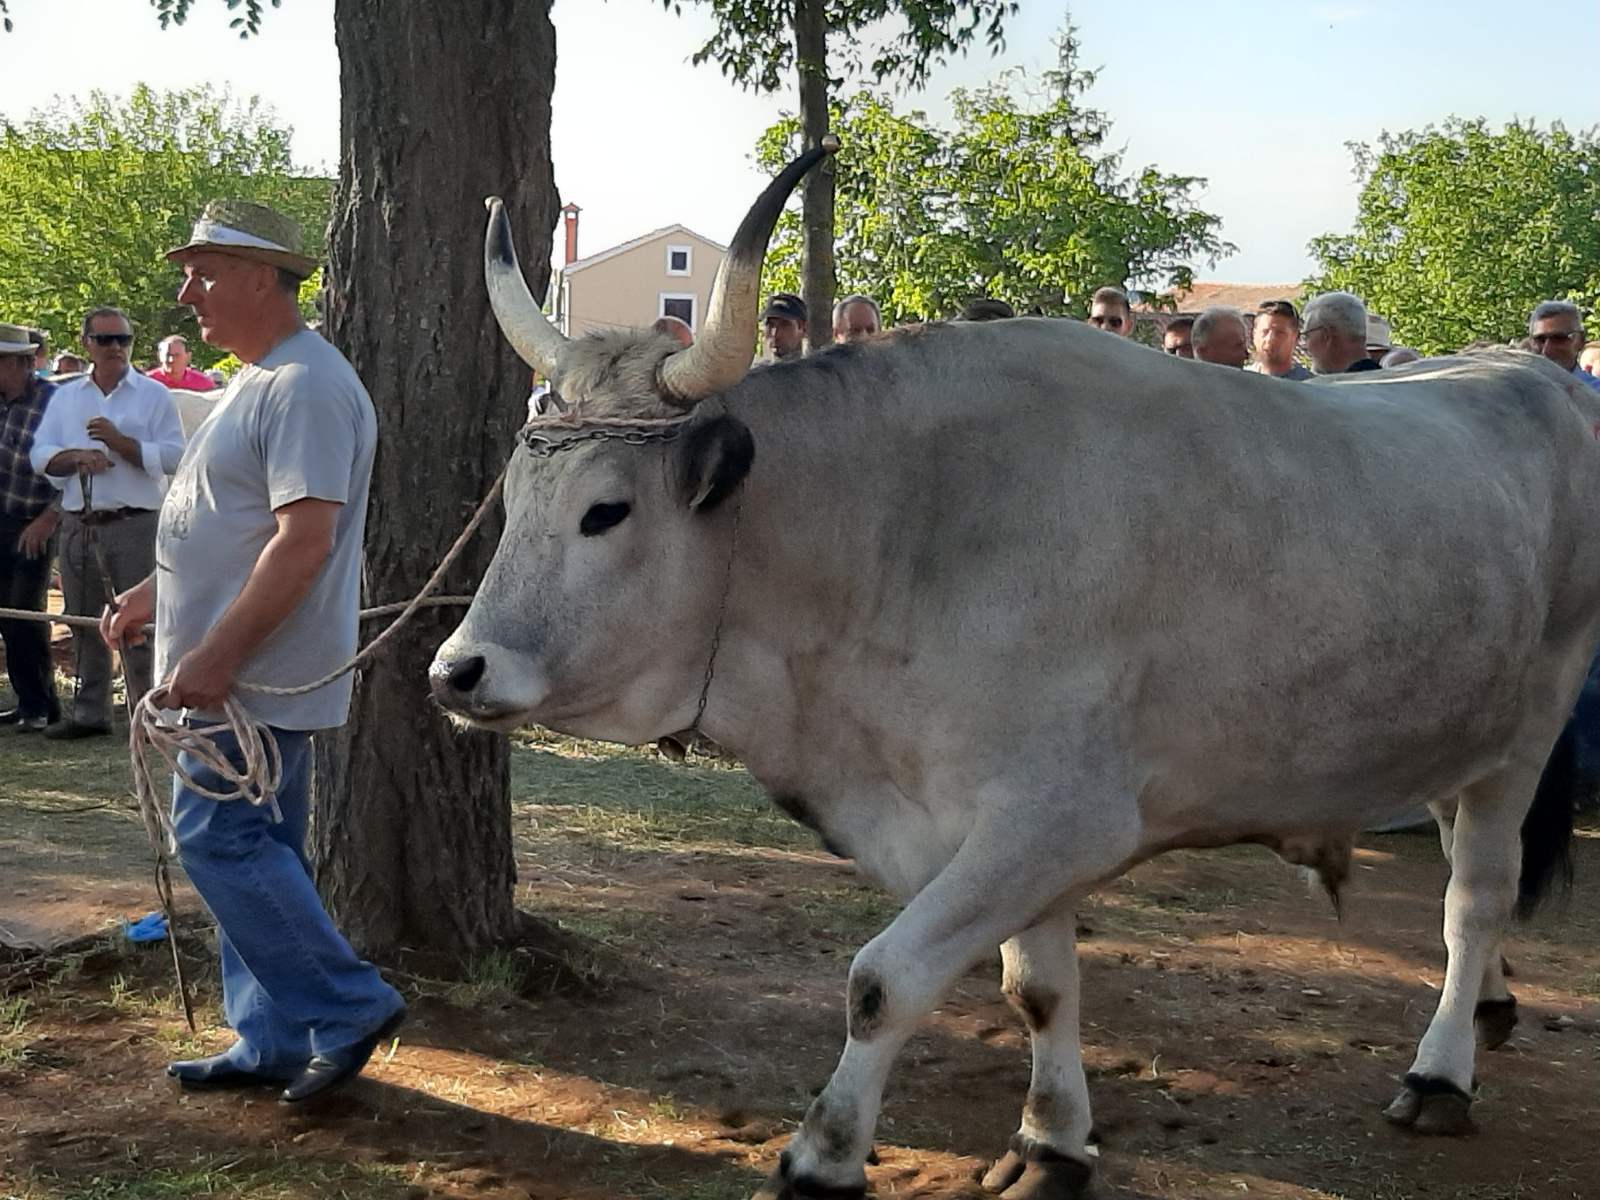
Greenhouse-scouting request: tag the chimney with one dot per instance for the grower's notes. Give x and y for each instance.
(569, 214)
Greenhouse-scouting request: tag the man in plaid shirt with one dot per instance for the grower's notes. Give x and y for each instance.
(28, 518)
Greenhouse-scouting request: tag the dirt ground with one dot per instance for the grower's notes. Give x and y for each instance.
(1240, 1040)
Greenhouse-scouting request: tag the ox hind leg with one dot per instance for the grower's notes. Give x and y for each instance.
(1046, 1158)
(994, 887)
(1495, 1016)
(1485, 858)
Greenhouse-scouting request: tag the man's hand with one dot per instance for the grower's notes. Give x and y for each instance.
(135, 608)
(91, 462)
(102, 430)
(203, 680)
(35, 536)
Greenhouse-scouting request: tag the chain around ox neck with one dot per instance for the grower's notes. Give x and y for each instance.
(549, 434)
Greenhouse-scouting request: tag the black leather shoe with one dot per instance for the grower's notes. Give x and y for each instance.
(216, 1072)
(338, 1067)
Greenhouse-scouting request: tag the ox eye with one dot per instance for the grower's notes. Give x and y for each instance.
(602, 517)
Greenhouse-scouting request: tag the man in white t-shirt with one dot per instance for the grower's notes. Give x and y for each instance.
(258, 581)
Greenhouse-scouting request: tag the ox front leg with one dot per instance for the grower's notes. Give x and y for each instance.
(1484, 860)
(1495, 1016)
(990, 890)
(1047, 1159)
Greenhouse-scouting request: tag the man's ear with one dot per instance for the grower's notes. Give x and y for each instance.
(714, 456)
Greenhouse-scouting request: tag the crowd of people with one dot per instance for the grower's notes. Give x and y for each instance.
(1334, 335)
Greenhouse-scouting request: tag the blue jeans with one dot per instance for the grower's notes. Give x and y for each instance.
(291, 985)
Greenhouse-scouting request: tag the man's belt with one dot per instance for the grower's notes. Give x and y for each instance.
(104, 516)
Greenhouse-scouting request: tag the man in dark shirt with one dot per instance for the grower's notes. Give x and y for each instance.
(28, 519)
(1336, 334)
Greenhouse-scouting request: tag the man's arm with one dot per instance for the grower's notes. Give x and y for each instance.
(282, 575)
(161, 453)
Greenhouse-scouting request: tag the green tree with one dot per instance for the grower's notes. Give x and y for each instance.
(1017, 201)
(93, 193)
(1461, 230)
(756, 41)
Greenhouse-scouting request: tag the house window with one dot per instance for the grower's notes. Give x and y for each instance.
(676, 304)
(680, 260)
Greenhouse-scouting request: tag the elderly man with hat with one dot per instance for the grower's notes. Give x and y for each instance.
(28, 518)
(259, 582)
(108, 440)
(783, 325)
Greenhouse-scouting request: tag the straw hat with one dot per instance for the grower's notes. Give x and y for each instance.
(14, 340)
(248, 230)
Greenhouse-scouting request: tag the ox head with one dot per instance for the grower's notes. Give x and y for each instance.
(597, 611)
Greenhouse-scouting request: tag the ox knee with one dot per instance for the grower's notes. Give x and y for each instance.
(1034, 1003)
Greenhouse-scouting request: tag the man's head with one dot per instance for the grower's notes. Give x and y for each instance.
(984, 308)
(1220, 337)
(67, 364)
(242, 272)
(1178, 338)
(108, 341)
(1556, 331)
(1379, 338)
(855, 317)
(1276, 334)
(16, 362)
(675, 328)
(173, 353)
(1589, 360)
(1109, 310)
(1399, 357)
(783, 325)
(1335, 331)
(41, 349)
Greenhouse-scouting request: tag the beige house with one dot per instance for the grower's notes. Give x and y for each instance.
(667, 272)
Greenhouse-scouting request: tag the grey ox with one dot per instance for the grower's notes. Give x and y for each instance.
(1003, 609)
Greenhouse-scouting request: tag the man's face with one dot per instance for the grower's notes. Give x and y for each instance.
(1112, 317)
(1225, 344)
(1558, 338)
(857, 321)
(1276, 336)
(175, 358)
(1178, 342)
(227, 294)
(15, 371)
(783, 337)
(108, 343)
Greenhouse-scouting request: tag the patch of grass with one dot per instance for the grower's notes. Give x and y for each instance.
(628, 798)
(14, 1039)
(236, 1179)
(851, 912)
(497, 975)
(616, 927)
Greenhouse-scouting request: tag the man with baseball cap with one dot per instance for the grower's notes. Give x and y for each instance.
(260, 552)
(783, 324)
(28, 518)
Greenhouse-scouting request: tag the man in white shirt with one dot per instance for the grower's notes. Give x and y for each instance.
(108, 440)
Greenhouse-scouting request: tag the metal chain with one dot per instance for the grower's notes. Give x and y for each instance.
(542, 445)
(722, 614)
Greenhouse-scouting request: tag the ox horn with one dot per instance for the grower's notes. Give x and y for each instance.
(530, 333)
(721, 355)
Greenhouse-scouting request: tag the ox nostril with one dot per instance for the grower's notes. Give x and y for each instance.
(463, 674)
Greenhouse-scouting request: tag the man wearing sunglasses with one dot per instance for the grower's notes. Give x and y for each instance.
(1556, 331)
(108, 440)
(1109, 310)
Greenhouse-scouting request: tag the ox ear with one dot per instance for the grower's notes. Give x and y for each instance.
(714, 456)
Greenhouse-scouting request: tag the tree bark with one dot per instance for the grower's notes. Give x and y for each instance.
(441, 105)
(816, 212)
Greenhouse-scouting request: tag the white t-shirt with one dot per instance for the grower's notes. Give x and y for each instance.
(297, 424)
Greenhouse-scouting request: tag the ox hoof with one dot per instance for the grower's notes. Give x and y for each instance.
(1494, 1021)
(1032, 1171)
(783, 1184)
(1433, 1107)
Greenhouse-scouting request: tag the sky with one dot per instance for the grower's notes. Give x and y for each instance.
(1259, 99)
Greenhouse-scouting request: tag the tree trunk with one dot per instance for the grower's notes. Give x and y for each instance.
(816, 212)
(441, 105)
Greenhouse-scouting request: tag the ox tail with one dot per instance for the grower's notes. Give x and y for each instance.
(1547, 829)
